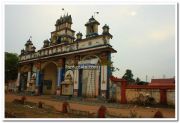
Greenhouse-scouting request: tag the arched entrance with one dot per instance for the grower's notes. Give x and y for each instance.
(89, 76)
(49, 73)
(23, 77)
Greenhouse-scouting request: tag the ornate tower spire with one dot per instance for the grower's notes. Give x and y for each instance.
(92, 27)
(63, 32)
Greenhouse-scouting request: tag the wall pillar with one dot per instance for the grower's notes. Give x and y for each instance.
(37, 82)
(60, 75)
(123, 92)
(97, 81)
(58, 90)
(18, 81)
(28, 78)
(163, 96)
(103, 80)
(76, 88)
(76, 82)
(37, 89)
(104, 74)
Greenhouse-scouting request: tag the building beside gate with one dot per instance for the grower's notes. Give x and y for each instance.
(68, 64)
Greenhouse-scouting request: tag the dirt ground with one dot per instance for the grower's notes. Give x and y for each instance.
(143, 112)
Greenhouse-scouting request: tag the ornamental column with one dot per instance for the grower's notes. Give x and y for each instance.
(76, 81)
(104, 75)
(29, 76)
(37, 89)
(76, 76)
(18, 82)
(28, 79)
(60, 76)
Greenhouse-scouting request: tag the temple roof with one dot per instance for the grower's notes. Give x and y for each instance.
(29, 42)
(92, 21)
(63, 19)
(105, 26)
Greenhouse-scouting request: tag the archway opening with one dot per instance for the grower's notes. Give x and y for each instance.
(89, 76)
(49, 73)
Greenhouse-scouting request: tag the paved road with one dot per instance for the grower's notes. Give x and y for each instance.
(141, 111)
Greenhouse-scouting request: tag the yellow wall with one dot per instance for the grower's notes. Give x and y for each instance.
(132, 94)
(171, 97)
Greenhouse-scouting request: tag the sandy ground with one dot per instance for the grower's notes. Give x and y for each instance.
(141, 111)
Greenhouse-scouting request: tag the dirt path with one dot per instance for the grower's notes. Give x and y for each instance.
(141, 111)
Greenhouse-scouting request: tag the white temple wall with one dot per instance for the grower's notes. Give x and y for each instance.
(94, 42)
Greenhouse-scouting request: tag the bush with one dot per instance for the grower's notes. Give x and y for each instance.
(144, 100)
(158, 114)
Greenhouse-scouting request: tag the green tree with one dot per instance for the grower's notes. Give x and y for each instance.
(138, 80)
(11, 65)
(129, 77)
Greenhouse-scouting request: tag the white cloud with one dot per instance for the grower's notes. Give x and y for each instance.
(133, 13)
(161, 34)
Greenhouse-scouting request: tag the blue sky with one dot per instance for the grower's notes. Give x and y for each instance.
(143, 35)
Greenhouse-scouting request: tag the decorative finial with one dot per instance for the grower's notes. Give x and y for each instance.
(30, 38)
(64, 11)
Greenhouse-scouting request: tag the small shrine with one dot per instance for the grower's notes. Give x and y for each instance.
(67, 86)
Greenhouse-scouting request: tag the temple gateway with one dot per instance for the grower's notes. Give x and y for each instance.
(68, 65)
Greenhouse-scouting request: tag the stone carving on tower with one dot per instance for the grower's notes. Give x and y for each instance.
(63, 32)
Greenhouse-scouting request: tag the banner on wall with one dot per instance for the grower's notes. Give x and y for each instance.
(86, 64)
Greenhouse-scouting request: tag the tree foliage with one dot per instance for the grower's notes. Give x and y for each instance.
(129, 77)
(11, 65)
(138, 80)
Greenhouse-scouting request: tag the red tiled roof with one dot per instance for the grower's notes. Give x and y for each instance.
(169, 81)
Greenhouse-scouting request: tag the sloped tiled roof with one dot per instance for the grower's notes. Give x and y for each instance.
(168, 81)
